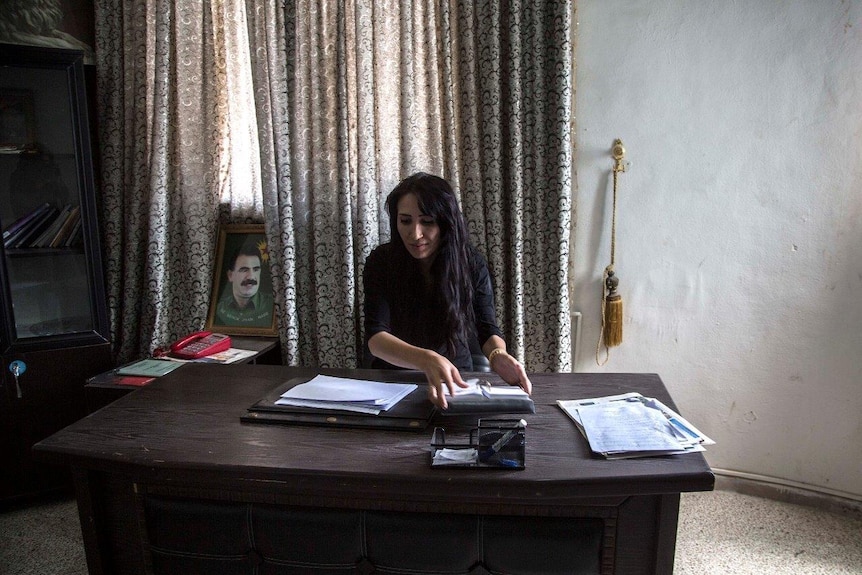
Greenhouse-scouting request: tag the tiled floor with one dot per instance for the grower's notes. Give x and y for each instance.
(722, 532)
(42, 539)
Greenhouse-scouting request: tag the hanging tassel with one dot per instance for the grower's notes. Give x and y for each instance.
(613, 310)
(612, 303)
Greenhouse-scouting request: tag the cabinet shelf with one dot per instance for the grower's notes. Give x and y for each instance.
(42, 252)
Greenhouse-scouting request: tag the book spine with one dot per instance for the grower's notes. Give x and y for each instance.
(48, 234)
(75, 236)
(24, 220)
(66, 228)
(32, 231)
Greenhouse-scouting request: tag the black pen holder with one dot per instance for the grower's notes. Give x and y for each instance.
(495, 443)
(502, 443)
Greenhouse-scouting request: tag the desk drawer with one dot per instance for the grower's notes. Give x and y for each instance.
(187, 536)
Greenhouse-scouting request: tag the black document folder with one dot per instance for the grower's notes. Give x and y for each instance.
(482, 405)
(411, 413)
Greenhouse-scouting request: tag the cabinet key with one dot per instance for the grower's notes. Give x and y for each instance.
(17, 367)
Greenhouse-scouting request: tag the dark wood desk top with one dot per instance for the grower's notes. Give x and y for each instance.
(185, 427)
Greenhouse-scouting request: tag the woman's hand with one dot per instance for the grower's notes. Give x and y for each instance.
(511, 371)
(440, 372)
(437, 368)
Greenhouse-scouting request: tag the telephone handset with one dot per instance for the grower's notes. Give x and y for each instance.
(200, 344)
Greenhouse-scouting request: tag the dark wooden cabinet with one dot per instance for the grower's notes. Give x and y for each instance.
(52, 397)
(53, 313)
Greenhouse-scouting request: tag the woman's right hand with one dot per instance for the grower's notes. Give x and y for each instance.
(440, 372)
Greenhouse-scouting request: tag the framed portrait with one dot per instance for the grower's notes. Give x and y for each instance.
(17, 120)
(242, 301)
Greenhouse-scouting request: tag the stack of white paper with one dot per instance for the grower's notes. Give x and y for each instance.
(630, 425)
(359, 395)
(484, 387)
(231, 355)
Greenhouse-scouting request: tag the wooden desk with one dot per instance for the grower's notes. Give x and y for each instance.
(181, 436)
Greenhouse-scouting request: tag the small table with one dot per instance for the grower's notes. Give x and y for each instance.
(106, 387)
(178, 445)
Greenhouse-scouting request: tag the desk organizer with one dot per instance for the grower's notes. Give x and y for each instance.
(495, 443)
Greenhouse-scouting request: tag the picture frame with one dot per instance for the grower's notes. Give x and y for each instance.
(243, 301)
(17, 120)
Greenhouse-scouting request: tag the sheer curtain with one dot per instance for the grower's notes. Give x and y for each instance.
(346, 99)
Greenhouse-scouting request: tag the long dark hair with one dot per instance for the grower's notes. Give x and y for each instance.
(450, 271)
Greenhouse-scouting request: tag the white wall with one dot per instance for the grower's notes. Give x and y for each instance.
(739, 224)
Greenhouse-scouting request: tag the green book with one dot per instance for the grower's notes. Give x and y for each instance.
(149, 367)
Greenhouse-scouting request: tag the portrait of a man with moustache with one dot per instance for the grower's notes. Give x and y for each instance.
(243, 303)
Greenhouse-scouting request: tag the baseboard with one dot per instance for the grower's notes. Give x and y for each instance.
(789, 492)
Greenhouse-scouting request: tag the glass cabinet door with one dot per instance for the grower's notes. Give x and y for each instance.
(52, 272)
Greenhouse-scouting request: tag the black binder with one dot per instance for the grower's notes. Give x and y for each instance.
(413, 413)
(482, 405)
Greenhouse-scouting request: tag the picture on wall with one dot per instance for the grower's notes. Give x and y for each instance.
(17, 120)
(242, 302)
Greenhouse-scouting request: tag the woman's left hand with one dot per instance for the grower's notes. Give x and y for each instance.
(511, 371)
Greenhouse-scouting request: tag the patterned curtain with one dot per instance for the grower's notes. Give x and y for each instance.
(370, 91)
(160, 139)
(478, 92)
(177, 133)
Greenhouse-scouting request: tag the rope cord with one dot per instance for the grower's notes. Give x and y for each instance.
(617, 169)
(614, 223)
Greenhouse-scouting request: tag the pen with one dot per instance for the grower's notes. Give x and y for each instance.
(498, 445)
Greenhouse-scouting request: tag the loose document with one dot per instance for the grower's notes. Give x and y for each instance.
(484, 388)
(359, 395)
(631, 425)
(230, 355)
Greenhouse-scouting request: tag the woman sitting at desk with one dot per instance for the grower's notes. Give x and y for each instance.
(428, 292)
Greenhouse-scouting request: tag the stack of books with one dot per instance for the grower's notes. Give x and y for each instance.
(631, 425)
(45, 227)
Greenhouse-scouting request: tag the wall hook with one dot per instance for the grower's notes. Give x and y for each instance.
(619, 153)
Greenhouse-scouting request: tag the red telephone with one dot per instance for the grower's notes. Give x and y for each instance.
(200, 344)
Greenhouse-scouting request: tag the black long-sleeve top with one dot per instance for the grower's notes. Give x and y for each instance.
(397, 302)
